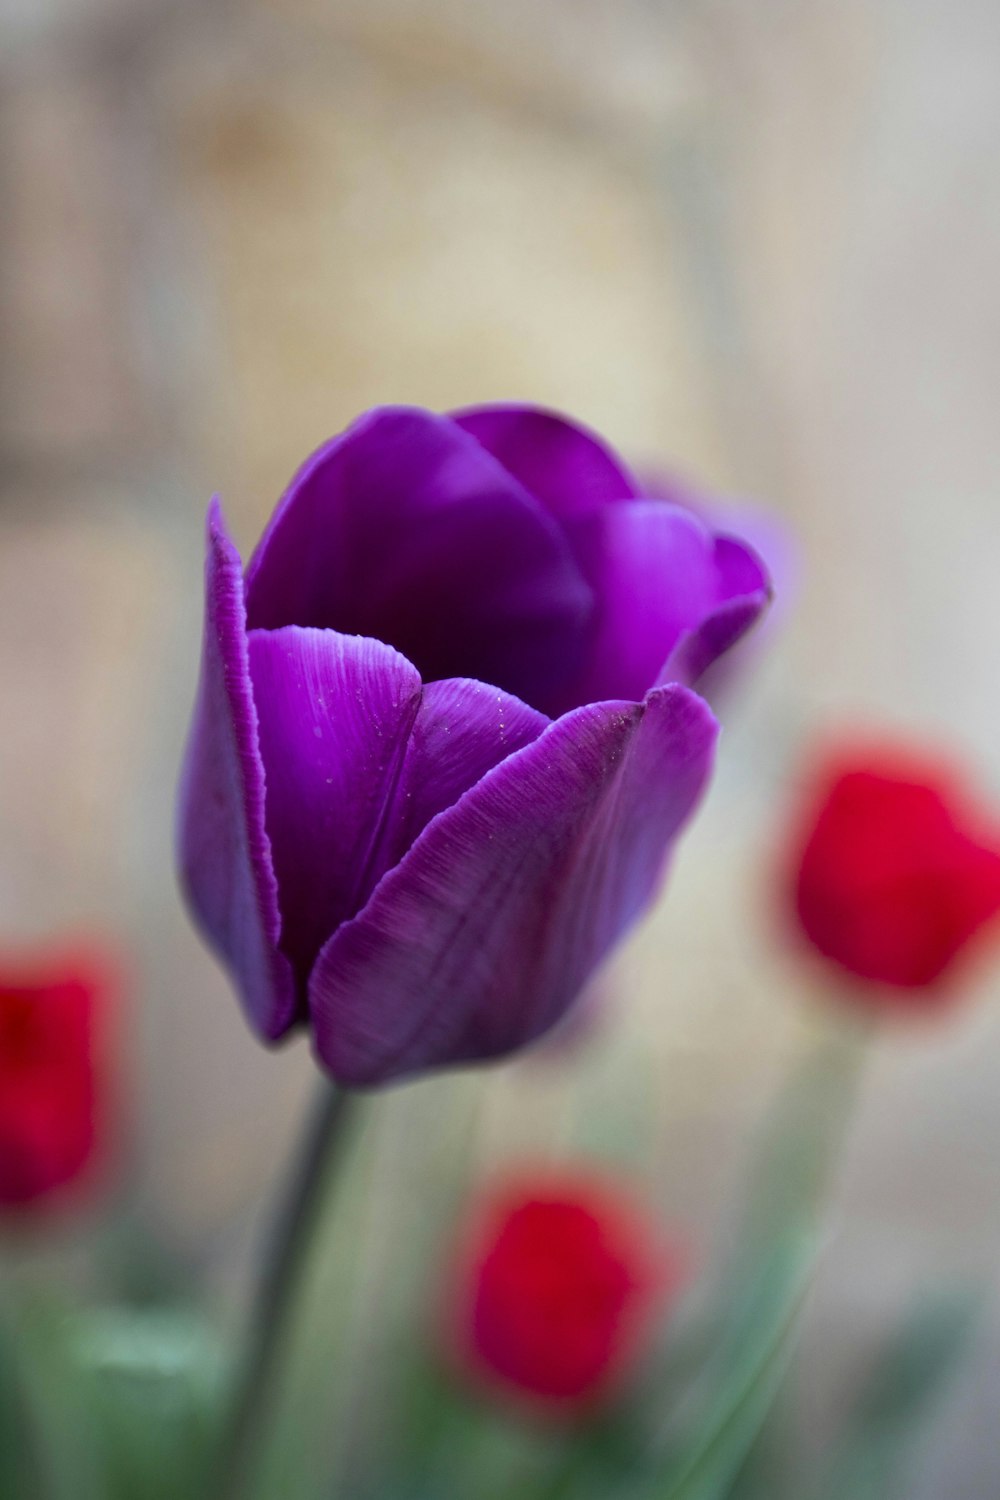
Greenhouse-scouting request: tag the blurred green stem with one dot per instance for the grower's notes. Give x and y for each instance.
(803, 1137)
(325, 1139)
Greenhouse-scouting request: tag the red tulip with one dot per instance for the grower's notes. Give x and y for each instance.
(895, 870)
(559, 1278)
(50, 1091)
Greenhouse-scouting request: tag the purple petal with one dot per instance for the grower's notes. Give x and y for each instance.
(667, 588)
(765, 542)
(567, 467)
(484, 934)
(740, 569)
(655, 579)
(745, 592)
(335, 713)
(358, 758)
(664, 587)
(405, 529)
(463, 730)
(224, 850)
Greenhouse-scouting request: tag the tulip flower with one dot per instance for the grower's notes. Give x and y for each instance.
(895, 870)
(558, 1282)
(445, 736)
(51, 1104)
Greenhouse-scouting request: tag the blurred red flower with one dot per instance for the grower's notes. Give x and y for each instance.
(894, 869)
(559, 1278)
(52, 1008)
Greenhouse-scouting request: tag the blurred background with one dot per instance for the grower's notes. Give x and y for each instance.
(756, 241)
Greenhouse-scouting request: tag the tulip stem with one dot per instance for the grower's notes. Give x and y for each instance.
(325, 1139)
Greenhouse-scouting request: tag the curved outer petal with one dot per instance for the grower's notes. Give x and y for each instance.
(358, 758)
(670, 597)
(463, 729)
(745, 589)
(224, 850)
(335, 716)
(701, 648)
(481, 938)
(747, 528)
(566, 466)
(407, 530)
(740, 571)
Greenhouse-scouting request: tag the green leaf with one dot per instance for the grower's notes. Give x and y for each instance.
(13, 1457)
(113, 1404)
(751, 1335)
(155, 1383)
(745, 1374)
(802, 1138)
(892, 1407)
(61, 1453)
(763, 1474)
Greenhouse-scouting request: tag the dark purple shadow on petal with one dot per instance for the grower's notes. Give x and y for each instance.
(405, 529)
(224, 851)
(566, 466)
(484, 934)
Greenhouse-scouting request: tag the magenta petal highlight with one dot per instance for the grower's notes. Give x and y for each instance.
(224, 851)
(481, 938)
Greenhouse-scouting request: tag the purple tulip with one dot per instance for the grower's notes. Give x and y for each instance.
(445, 736)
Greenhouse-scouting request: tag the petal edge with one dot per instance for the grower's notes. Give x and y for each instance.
(565, 465)
(223, 847)
(481, 938)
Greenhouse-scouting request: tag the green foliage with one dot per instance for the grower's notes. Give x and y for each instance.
(750, 1335)
(57, 1453)
(128, 1402)
(912, 1374)
(116, 1404)
(744, 1374)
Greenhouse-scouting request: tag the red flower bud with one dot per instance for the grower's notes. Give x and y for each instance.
(895, 870)
(50, 1098)
(558, 1280)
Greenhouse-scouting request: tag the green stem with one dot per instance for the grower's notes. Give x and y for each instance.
(324, 1142)
(602, 1458)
